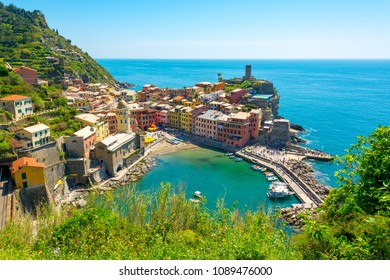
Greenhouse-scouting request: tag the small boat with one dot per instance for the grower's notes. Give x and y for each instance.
(272, 178)
(269, 174)
(194, 200)
(238, 159)
(232, 156)
(262, 169)
(229, 154)
(198, 194)
(255, 167)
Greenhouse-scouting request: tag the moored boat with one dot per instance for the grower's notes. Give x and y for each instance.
(278, 190)
(238, 159)
(229, 154)
(272, 178)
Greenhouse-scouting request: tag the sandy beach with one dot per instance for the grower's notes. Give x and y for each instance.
(165, 148)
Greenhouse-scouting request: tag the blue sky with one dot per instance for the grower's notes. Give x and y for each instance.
(221, 29)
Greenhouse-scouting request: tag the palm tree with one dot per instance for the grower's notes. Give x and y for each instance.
(219, 77)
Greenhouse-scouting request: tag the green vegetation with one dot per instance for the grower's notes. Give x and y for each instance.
(243, 85)
(5, 144)
(354, 223)
(165, 226)
(26, 39)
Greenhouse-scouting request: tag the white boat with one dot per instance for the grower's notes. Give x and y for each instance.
(263, 169)
(232, 156)
(278, 190)
(238, 159)
(272, 178)
(229, 154)
(194, 200)
(197, 194)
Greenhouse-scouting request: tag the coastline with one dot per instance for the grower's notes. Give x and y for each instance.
(164, 147)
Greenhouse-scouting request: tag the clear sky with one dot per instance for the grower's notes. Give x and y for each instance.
(221, 28)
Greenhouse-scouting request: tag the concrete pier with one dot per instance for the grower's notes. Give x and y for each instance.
(304, 193)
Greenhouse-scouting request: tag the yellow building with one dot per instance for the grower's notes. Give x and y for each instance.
(174, 117)
(185, 119)
(27, 172)
(98, 122)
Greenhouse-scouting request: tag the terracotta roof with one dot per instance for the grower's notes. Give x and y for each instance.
(14, 97)
(23, 67)
(25, 161)
(178, 98)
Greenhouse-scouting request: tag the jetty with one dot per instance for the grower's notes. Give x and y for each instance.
(304, 193)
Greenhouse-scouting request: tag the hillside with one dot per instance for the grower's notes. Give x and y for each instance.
(26, 39)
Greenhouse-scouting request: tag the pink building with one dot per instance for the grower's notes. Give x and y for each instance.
(29, 75)
(237, 128)
(162, 117)
(112, 123)
(206, 124)
(197, 110)
(237, 95)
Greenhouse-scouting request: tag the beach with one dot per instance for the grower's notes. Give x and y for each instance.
(165, 148)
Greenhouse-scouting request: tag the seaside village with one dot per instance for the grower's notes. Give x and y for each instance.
(121, 126)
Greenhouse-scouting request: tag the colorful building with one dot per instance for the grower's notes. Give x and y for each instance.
(19, 105)
(98, 122)
(28, 74)
(81, 142)
(27, 172)
(112, 122)
(206, 124)
(143, 117)
(236, 95)
(33, 136)
(185, 119)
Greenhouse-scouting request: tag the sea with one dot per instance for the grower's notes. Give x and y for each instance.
(334, 100)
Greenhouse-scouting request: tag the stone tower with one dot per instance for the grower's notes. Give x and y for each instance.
(248, 72)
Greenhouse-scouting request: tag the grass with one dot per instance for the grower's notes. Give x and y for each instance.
(163, 226)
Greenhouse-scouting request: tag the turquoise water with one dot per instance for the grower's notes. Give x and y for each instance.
(216, 176)
(335, 100)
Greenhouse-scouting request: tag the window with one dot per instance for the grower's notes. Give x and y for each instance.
(24, 176)
(25, 185)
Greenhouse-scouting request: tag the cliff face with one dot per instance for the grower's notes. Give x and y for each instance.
(26, 39)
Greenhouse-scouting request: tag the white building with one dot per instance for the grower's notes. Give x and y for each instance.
(19, 105)
(34, 136)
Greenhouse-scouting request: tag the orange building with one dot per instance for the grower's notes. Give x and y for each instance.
(27, 172)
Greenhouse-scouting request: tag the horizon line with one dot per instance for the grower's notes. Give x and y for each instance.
(171, 58)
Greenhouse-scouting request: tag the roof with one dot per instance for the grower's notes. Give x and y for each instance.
(211, 115)
(25, 161)
(24, 67)
(85, 132)
(88, 117)
(36, 128)
(178, 98)
(240, 115)
(14, 97)
(122, 104)
(115, 141)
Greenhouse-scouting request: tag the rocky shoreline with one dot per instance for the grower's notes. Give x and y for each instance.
(77, 197)
(294, 216)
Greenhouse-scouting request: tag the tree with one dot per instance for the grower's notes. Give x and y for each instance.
(365, 178)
